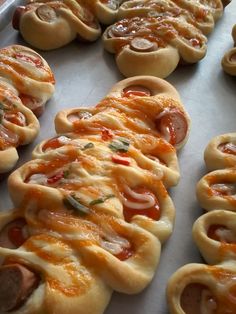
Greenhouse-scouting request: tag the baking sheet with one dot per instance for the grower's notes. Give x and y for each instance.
(84, 74)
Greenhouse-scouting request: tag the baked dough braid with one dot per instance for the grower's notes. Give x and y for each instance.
(92, 209)
(153, 36)
(25, 81)
(228, 61)
(47, 24)
(198, 288)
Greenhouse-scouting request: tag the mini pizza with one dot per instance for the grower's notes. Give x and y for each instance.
(220, 153)
(92, 208)
(228, 61)
(153, 37)
(50, 24)
(154, 45)
(198, 288)
(25, 81)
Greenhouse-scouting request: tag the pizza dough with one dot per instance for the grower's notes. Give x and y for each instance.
(25, 81)
(198, 288)
(228, 62)
(92, 206)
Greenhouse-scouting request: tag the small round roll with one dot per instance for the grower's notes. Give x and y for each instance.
(220, 152)
(215, 235)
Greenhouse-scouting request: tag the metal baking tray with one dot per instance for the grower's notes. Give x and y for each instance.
(84, 74)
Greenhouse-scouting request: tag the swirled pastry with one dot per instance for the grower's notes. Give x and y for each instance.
(153, 36)
(92, 209)
(25, 81)
(198, 288)
(154, 45)
(228, 61)
(50, 24)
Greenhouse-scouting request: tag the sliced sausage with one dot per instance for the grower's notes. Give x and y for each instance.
(34, 104)
(140, 44)
(46, 13)
(17, 283)
(14, 234)
(172, 125)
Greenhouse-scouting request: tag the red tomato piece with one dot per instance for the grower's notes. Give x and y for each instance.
(120, 160)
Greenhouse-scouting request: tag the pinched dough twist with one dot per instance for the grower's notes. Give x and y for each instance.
(92, 206)
(228, 61)
(153, 36)
(198, 288)
(25, 81)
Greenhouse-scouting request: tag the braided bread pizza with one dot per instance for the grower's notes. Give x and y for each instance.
(153, 36)
(228, 61)
(92, 209)
(198, 288)
(26, 83)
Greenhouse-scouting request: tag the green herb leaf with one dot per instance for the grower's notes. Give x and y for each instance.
(74, 202)
(66, 173)
(89, 145)
(101, 200)
(121, 144)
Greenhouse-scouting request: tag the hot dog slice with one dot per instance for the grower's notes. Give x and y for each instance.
(17, 283)
(173, 125)
(14, 234)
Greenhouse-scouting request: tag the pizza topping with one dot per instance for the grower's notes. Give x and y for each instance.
(119, 159)
(17, 283)
(196, 298)
(172, 125)
(140, 44)
(46, 13)
(81, 115)
(55, 143)
(14, 234)
(16, 118)
(136, 90)
(106, 134)
(140, 201)
(88, 146)
(36, 105)
(224, 189)
(7, 138)
(101, 199)
(17, 17)
(74, 202)
(121, 144)
(221, 233)
(30, 58)
(227, 148)
(55, 178)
